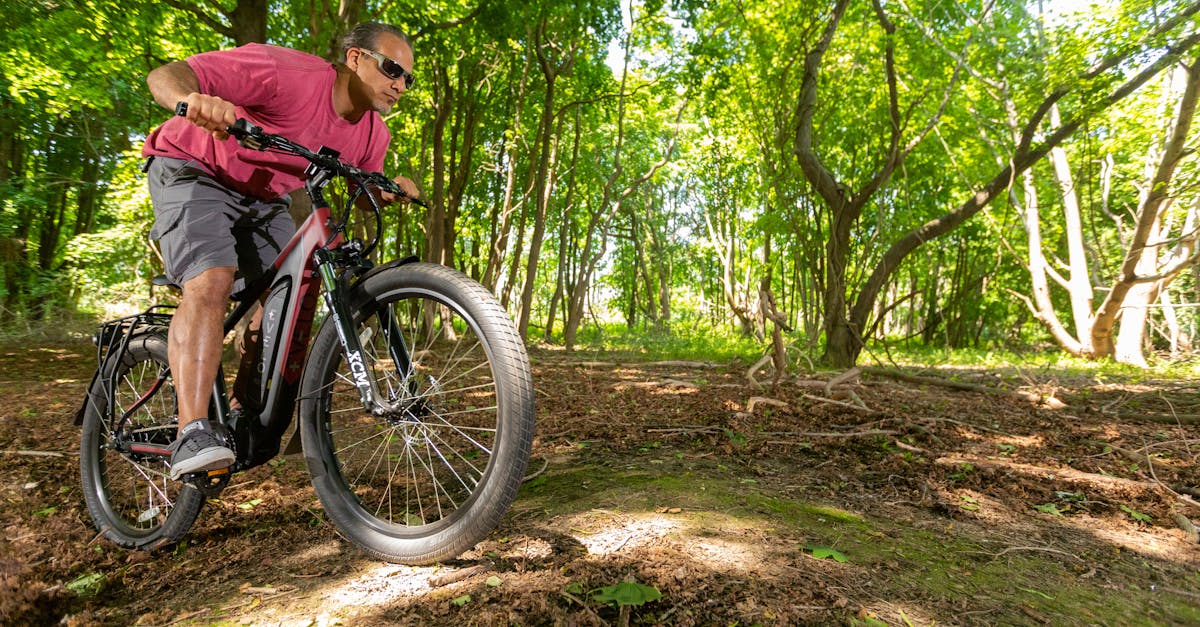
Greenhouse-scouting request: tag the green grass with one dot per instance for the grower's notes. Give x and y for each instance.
(648, 344)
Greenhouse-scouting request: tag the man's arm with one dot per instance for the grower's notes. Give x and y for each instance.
(176, 82)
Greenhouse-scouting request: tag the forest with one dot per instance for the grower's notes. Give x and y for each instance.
(820, 177)
(966, 231)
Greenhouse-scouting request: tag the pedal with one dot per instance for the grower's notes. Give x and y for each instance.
(209, 483)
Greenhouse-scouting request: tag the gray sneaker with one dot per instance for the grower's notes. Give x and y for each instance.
(198, 449)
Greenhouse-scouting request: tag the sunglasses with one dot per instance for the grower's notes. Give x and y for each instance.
(390, 68)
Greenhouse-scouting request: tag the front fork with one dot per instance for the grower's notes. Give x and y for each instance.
(336, 296)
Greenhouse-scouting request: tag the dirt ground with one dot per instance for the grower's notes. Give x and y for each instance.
(877, 501)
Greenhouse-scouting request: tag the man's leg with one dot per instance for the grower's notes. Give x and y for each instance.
(195, 340)
(194, 353)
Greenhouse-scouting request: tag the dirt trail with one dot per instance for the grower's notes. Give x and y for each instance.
(927, 505)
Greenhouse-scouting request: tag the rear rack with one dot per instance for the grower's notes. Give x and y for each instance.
(112, 342)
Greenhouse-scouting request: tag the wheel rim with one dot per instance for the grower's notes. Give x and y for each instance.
(136, 491)
(419, 468)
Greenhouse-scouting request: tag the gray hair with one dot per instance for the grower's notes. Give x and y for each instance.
(366, 35)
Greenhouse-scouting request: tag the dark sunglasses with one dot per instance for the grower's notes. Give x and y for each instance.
(390, 68)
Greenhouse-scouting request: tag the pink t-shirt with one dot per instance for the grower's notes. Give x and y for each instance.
(285, 92)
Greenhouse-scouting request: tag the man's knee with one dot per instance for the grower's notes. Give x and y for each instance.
(209, 288)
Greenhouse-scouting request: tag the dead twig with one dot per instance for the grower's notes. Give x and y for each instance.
(1188, 527)
(762, 400)
(545, 465)
(822, 399)
(1048, 401)
(841, 378)
(458, 575)
(34, 453)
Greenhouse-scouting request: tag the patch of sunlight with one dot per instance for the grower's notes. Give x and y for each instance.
(1129, 538)
(724, 555)
(380, 585)
(1021, 440)
(604, 532)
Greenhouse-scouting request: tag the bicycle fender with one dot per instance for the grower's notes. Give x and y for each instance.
(387, 266)
(87, 400)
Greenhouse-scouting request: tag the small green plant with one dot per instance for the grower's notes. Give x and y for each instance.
(1048, 508)
(736, 438)
(249, 505)
(626, 595)
(825, 552)
(1136, 515)
(460, 601)
(963, 471)
(88, 585)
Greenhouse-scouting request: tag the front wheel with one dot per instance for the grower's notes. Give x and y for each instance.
(430, 479)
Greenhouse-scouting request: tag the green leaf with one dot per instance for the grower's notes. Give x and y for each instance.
(461, 601)
(1136, 515)
(574, 588)
(46, 512)
(251, 504)
(1048, 508)
(88, 585)
(825, 552)
(493, 581)
(627, 593)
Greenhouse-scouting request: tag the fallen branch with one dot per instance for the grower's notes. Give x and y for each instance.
(460, 574)
(686, 430)
(35, 453)
(758, 364)
(762, 400)
(545, 465)
(841, 378)
(1188, 527)
(815, 434)
(665, 383)
(862, 407)
(1167, 419)
(1066, 474)
(1048, 401)
(1140, 458)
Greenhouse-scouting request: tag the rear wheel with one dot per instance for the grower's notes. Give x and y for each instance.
(435, 475)
(130, 496)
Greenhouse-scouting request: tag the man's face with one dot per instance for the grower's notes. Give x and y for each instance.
(384, 71)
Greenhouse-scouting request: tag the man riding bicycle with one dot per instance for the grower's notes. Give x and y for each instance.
(221, 210)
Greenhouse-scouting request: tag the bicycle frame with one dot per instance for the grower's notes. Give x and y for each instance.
(307, 263)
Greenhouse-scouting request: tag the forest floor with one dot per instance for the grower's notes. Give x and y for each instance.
(925, 504)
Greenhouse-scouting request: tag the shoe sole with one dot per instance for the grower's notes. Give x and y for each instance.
(212, 459)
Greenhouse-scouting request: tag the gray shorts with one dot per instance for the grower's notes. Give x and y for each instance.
(201, 224)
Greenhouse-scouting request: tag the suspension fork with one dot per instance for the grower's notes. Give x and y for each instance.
(336, 293)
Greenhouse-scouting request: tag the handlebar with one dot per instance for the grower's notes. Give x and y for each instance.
(252, 136)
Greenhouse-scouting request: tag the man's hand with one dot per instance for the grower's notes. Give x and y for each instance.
(210, 113)
(406, 184)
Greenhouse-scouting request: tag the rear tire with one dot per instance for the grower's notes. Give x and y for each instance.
(432, 479)
(131, 497)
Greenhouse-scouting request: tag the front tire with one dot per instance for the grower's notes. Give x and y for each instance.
(131, 497)
(431, 479)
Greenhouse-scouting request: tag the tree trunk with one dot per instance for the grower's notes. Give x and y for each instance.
(1154, 198)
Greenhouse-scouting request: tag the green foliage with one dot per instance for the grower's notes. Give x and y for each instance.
(627, 593)
(825, 552)
(671, 191)
(88, 585)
